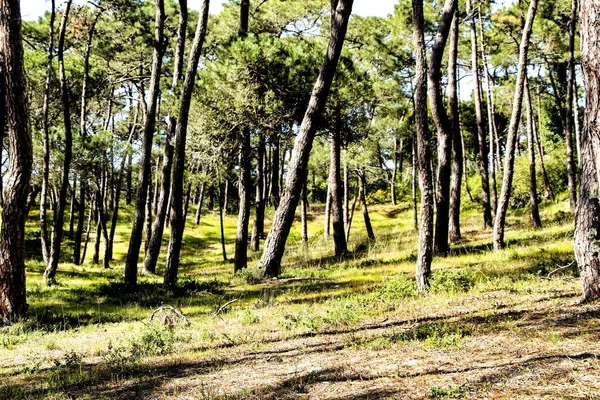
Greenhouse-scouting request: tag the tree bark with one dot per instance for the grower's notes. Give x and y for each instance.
(259, 216)
(244, 188)
(483, 151)
(414, 184)
(394, 172)
(444, 129)
(457, 150)
(335, 182)
(509, 160)
(275, 171)
(351, 216)
(587, 226)
(304, 215)
(177, 221)
(148, 220)
(135, 240)
(363, 201)
(200, 201)
(224, 251)
(571, 169)
(87, 232)
(46, 165)
(535, 212)
(540, 150)
(72, 206)
(327, 220)
(425, 254)
(50, 272)
(13, 302)
(284, 217)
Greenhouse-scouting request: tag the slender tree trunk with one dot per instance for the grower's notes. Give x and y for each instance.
(177, 221)
(46, 165)
(540, 150)
(535, 213)
(327, 221)
(244, 188)
(83, 135)
(335, 182)
(363, 201)
(414, 184)
(284, 217)
(275, 171)
(259, 216)
(135, 240)
(224, 251)
(96, 256)
(57, 234)
(394, 171)
(226, 198)
(483, 151)
(304, 215)
(72, 206)
(457, 151)
(87, 231)
(444, 130)
(571, 169)
(200, 201)
(587, 226)
(346, 195)
(425, 254)
(490, 113)
(13, 302)
(351, 217)
(148, 220)
(512, 131)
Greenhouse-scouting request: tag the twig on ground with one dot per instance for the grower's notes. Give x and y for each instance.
(560, 268)
(172, 309)
(223, 307)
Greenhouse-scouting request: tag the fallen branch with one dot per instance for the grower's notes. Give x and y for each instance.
(223, 307)
(560, 268)
(173, 310)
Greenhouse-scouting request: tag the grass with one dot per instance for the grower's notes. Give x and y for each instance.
(89, 332)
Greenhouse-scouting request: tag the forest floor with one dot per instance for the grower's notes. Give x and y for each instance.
(496, 325)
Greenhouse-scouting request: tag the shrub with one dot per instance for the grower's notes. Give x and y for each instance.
(453, 281)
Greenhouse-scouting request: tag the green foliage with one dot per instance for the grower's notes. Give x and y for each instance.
(453, 281)
(452, 392)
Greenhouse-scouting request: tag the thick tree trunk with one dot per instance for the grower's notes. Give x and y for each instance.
(444, 130)
(587, 226)
(509, 161)
(365, 209)
(259, 216)
(46, 165)
(135, 241)
(576, 122)
(535, 212)
(284, 217)
(13, 302)
(335, 182)
(483, 150)
(177, 221)
(200, 201)
(57, 233)
(425, 254)
(457, 150)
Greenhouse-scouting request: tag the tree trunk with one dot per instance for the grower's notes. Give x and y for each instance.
(304, 215)
(13, 302)
(177, 221)
(275, 171)
(135, 240)
(148, 220)
(457, 151)
(200, 201)
(335, 182)
(425, 254)
(540, 150)
(571, 169)
(186, 206)
(490, 113)
(444, 130)
(244, 188)
(535, 212)
(414, 184)
(363, 201)
(327, 221)
(512, 131)
(72, 206)
(87, 231)
(576, 121)
(224, 252)
(351, 216)
(57, 234)
(284, 217)
(259, 216)
(394, 172)
(346, 195)
(587, 226)
(46, 165)
(483, 151)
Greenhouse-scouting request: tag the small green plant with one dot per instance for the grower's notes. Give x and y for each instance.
(453, 281)
(152, 340)
(252, 276)
(453, 392)
(397, 289)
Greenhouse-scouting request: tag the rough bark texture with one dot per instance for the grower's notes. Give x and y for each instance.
(259, 214)
(46, 128)
(177, 221)
(444, 129)
(483, 150)
(144, 180)
(158, 226)
(535, 212)
(587, 225)
(509, 161)
(13, 302)
(571, 170)
(284, 217)
(335, 182)
(425, 254)
(457, 151)
(59, 214)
